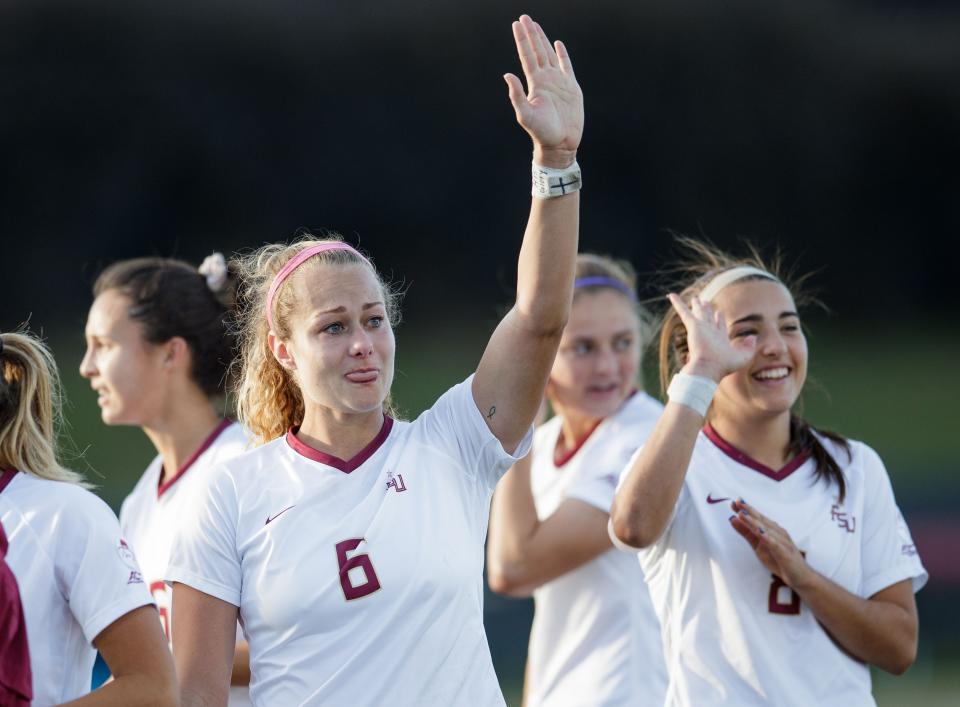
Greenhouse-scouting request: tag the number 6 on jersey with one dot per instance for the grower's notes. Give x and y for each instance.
(362, 561)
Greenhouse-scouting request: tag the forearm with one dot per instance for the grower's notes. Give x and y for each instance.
(129, 691)
(545, 269)
(644, 504)
(241, 664)
(878, 632)
(513, 521)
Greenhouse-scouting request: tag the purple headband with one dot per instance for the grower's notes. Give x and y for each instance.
(296, 261)
(600, 281)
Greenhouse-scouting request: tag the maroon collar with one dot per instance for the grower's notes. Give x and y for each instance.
(162, 488)
(751, 463)
(6, 477)
(571, 453)
(344, 465)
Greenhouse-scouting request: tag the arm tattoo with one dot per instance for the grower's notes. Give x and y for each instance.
(492, 411)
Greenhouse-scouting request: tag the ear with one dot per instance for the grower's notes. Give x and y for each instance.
(176, 353)
(282, 351)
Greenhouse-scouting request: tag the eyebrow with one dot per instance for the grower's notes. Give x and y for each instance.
(341, 308)
(759, 318)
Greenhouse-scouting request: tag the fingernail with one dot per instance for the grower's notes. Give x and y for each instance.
(744, 511)
(740, 500)
(732, 517)
(762, 531)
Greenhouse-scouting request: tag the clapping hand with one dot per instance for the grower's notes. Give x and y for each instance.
(710, 351)
(772, 544)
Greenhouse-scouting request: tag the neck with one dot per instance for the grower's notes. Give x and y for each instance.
(342, 435)
(764, 438)
(177, 436)
(574, 428)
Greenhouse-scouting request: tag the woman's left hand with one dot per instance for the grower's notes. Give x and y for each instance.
(773, 544)
(552, 109)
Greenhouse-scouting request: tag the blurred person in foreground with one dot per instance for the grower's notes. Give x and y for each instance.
(595, 637)
(79, 582)
(811, 579)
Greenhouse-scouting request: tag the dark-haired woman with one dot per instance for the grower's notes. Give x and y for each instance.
(811, 579)
(157, 355)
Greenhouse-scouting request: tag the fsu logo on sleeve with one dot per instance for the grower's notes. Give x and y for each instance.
(126, 555)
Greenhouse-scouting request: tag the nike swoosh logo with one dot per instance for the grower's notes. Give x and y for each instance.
(269, 519)
(711, 499)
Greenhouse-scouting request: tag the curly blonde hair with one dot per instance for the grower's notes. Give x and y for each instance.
(268, 398)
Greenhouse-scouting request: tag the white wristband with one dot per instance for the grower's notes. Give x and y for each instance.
(695, 392)
(549, 182)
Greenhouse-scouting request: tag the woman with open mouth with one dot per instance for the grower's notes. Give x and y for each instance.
(351, 543)
(791, 598)
(595, 638)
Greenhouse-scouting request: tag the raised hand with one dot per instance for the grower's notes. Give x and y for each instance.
(552, 109)
(773, 544)
(711, 353)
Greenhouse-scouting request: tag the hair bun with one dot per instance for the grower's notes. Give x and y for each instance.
(214, 269)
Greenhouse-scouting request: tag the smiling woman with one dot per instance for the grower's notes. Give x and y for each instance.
(789, 599)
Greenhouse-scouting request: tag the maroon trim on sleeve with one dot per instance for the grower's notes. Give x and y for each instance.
(161, 488)
(751, 463)
(6, 477)
(347, 465)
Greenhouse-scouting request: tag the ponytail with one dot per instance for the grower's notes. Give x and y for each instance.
(803, 439)
(30, 409)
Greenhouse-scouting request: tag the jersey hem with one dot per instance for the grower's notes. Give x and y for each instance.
(104, 618)
(894, 575)
(214, 589)
(593, 501)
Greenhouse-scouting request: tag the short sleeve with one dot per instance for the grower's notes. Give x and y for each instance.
(597, 483)
(456, 424)
(97, 570)
(889, 554)
(204, 553)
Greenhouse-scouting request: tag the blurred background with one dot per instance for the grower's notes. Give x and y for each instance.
(830, 128)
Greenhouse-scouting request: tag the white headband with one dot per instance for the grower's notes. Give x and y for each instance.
(728, 277)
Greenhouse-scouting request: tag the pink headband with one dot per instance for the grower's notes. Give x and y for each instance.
(296, 261)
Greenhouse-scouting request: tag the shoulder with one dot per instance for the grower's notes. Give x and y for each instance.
(547, 433)
(641, 406)
(235, 439)
(636, 417)
(856, 457)
(146, 486)
(65, 507)
(247, 463)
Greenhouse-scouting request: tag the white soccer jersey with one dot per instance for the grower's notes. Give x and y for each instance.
(151, 514)
(359, 582)
(595, 638)
(76, 576)
(733, 633)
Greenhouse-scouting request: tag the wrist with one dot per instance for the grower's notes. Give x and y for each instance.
(804, 580)
(703, 369)
(695, 392)
(554, 158)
